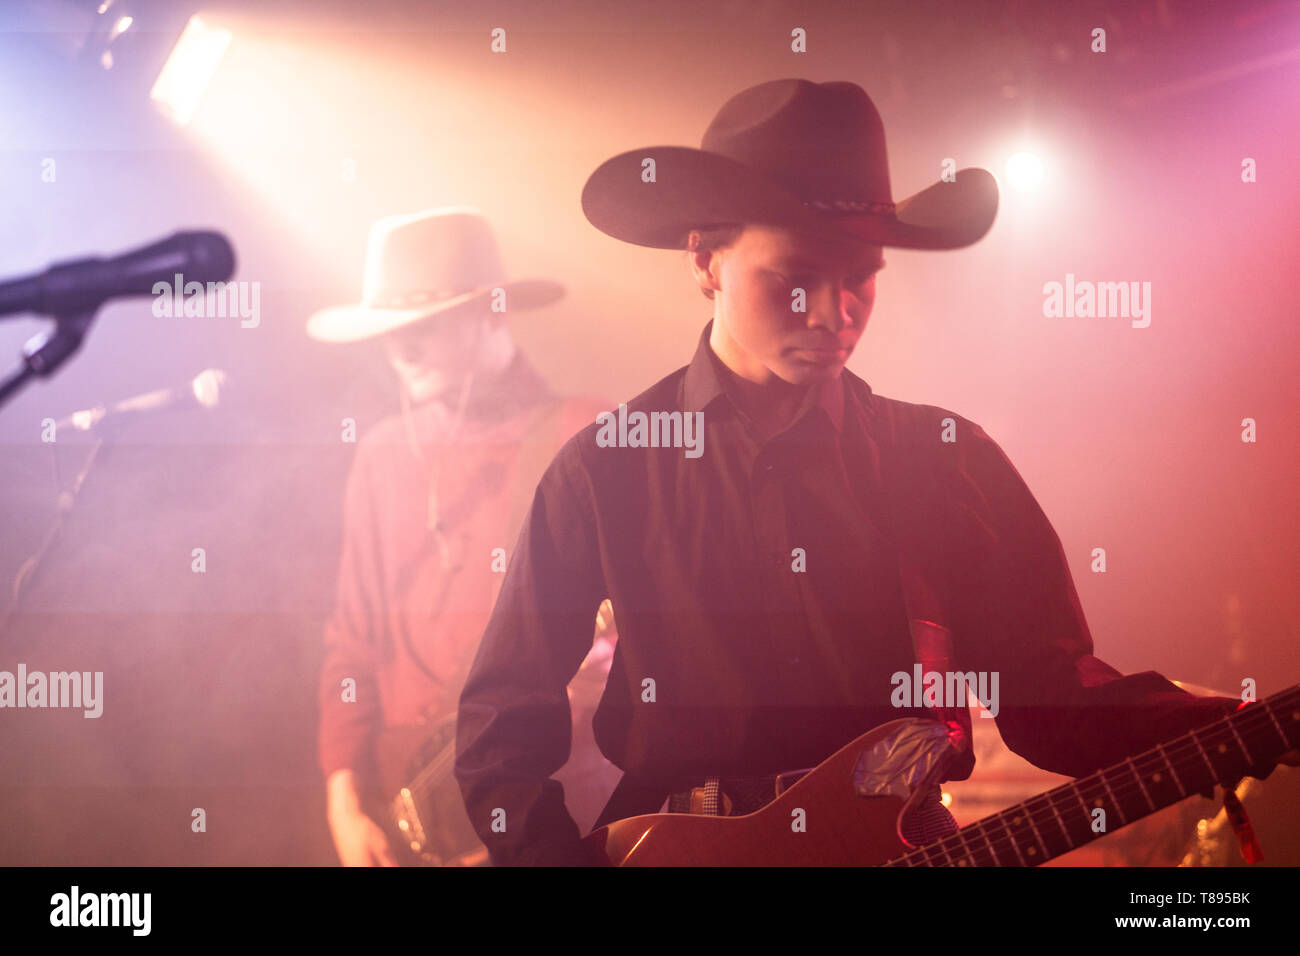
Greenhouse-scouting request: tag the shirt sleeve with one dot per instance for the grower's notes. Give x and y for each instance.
(514, 724)
(1019, 616)
(350, 718)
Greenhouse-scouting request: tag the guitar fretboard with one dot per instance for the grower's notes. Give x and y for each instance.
(1067, 817)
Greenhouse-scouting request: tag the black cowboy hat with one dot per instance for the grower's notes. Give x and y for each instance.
(788, 153)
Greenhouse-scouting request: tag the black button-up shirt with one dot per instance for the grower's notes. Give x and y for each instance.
(760, 610)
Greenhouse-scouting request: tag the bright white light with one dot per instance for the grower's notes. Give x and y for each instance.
(122, 25)
(1025, 171)
(190, 68)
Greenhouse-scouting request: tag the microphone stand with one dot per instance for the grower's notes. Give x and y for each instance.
(67, 501)
(44, 353)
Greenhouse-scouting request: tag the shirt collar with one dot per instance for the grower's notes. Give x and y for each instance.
(705, 383)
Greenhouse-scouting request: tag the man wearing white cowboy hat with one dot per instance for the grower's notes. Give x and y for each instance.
(434, 500)
(770, 589)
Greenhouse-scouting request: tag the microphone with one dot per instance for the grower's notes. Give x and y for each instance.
(82, 285)
(203, 390)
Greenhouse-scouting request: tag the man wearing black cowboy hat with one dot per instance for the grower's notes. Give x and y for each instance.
(434, 501)
(768, 588)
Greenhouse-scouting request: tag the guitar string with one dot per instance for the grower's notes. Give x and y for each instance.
(1119, 792)
(422, 785)
(957, 847)
(1036, 816)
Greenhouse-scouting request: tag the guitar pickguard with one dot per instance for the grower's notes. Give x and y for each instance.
(902, 758)
(908, 761)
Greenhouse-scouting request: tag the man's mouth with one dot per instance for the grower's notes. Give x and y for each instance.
(821, 355)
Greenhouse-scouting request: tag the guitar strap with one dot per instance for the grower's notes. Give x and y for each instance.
(541, 440)
(894, 480)
(541, 443)
(933, 649)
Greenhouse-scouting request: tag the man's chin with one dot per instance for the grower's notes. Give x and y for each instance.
(810, 373)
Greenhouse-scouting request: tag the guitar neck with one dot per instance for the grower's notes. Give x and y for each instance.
(1060, 820)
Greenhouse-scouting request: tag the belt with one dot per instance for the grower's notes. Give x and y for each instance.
(733, 796)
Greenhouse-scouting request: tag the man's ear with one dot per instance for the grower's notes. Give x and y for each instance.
(705, 266)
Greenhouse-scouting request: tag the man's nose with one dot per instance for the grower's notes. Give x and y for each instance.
(827, 309)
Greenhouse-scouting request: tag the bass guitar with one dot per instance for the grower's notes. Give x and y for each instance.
(848, 811)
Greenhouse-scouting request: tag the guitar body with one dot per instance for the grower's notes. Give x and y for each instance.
(822, 820)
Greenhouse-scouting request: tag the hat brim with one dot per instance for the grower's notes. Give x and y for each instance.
(695, 188)
(356, 323)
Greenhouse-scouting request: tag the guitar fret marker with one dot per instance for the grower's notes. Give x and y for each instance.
(1241, 743)
(1273, 717)
(984, 834)
(1214, 774)
(1118, 809)
(1037, 836)
(1060, 823)
(1013, 841)
(1170, 764)
(1079, 796)
(1151, 802)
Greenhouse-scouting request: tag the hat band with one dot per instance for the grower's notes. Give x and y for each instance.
(412, 299)
(850, 205)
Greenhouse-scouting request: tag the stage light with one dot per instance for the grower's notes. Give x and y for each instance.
(190, 68)
(123, 24)
(1025, 171)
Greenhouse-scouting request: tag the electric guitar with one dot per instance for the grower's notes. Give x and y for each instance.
(848, 811)
(419, 802)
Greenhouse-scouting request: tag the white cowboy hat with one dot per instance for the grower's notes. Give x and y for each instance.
(423, 264)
